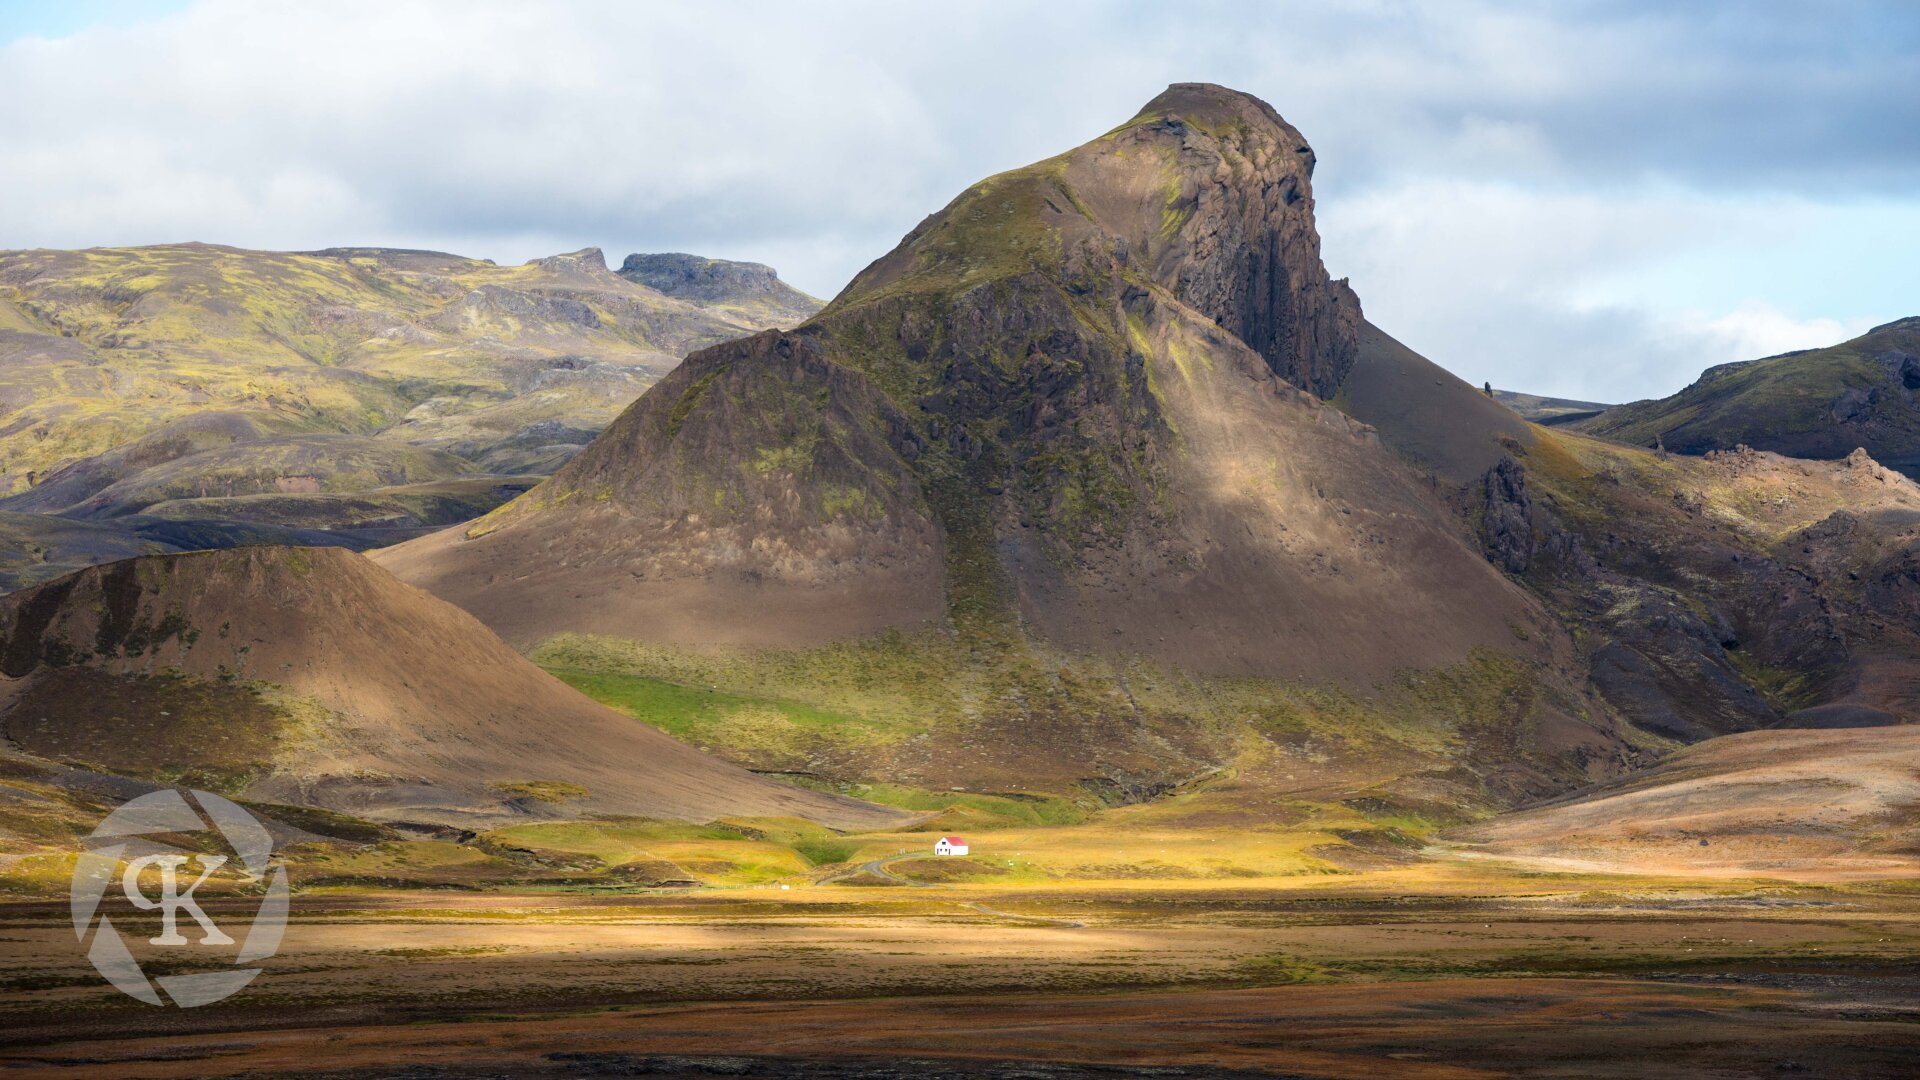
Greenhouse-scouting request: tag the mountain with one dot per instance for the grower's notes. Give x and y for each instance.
(1816, 403)
(190, 375)
(309, 676)
(1063, 462)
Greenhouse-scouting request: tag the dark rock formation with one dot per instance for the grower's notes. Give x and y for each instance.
(1506, 519)
(1247, 250)
(695, 278)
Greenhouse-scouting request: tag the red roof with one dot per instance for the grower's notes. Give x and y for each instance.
(954, 840)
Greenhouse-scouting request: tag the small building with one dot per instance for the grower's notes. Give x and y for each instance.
(950, 845)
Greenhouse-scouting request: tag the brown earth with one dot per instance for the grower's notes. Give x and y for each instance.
(311, 676)
(1542, 976)
(1812, 805)
(1441, 1030)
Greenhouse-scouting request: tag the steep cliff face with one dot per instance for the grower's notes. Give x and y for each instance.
(745, 286)
(1206, 193)
(1243, 248)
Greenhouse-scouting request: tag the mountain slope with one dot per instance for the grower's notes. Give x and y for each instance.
(309, 676)
(1721, 593)
(1432, 418)
(1073, 422)
(1818, 403)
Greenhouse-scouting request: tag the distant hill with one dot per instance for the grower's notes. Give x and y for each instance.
(310, 676)
(753, 290)
(1548, 410)
(372, 392)
(1817, 403)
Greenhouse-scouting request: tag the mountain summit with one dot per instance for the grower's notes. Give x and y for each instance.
(1081, 401)
(1206, 193)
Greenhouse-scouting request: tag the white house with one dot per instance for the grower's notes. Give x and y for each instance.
(950, 845)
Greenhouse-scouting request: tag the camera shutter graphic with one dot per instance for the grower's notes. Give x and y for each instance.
(168, 812)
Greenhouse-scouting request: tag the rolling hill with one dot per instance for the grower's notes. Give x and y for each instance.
(309, 676)
(1548, 410)
(1817, 403)
(192, 375)
(1808, 805)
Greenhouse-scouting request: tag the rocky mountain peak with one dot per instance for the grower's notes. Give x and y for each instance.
(700, 280)
(1235, 233)
(1206, 192)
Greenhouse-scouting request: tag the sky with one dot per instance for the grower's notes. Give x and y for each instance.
(1584, 198)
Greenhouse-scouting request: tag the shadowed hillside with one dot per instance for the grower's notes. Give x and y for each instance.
(309, 676)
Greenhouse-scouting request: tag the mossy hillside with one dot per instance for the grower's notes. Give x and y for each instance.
(181, 729)
(1003, 226)
(361, 343)
(1751, 405)
(1814, 403)
(866, 713)
(712, 854)
(1028, 404)
(1759, 500)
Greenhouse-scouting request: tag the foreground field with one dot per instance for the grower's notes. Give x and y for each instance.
(1400, 973)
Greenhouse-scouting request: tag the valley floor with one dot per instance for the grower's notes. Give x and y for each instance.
(1431, 971)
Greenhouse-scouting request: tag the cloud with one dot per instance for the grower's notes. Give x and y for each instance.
(1494, 175)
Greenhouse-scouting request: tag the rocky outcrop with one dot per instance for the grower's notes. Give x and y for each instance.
(1246, 250)
(1506, 517)
(695, 278)
(586, 261)
(706, 281)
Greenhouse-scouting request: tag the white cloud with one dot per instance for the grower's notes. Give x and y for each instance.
(1503, 180)
(1756, 330)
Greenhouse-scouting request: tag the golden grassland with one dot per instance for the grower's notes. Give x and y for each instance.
(547, 937)
(365, 966)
